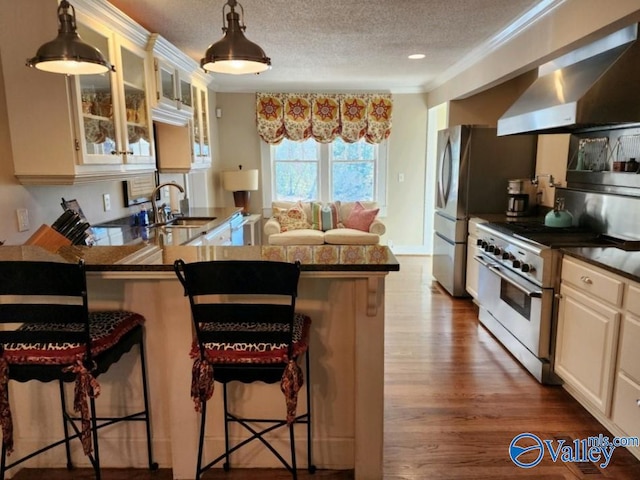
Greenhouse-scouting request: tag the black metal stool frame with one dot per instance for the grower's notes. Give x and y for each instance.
(239, 277)
(67, 280)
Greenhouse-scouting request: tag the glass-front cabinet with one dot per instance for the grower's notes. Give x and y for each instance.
(173, 87)
(114, 124)
(201, 128)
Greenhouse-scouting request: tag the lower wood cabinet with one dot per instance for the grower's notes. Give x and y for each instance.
(626, 406)
(586, 346)
(597, 354)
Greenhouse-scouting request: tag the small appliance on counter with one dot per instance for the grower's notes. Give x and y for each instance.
(522, 197)
(558, 217)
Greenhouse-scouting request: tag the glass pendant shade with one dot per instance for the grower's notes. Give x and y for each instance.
(233, 53)
(67, 53)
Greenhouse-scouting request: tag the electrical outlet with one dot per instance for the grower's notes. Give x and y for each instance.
(165, 192)
(400, 177)
(106, 202)
(23, 219)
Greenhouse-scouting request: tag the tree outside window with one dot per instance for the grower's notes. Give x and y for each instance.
(337, 171)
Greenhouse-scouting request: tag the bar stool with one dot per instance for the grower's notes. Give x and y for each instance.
(50, 335)
(240, 335)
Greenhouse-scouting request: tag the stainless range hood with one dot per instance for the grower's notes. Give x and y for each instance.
(594, 87)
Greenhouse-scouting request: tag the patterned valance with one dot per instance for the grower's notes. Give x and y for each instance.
(323, 117)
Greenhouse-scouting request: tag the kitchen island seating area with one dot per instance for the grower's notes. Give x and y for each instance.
(48, 334)
(247, 330)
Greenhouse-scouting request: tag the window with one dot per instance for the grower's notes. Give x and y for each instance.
(313, 171)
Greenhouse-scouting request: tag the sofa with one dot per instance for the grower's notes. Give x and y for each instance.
(313, 223)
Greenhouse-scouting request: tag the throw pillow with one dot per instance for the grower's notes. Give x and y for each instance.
(325, 217)
(316, 215)
(293, 218)
(361, 218)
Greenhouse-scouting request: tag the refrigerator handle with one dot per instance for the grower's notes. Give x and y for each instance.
(444, 185)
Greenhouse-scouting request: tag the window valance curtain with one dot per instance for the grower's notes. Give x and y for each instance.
(323, 117)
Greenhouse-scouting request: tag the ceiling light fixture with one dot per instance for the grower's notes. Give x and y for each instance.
(233, 53)
(416, 56)
(67, 53)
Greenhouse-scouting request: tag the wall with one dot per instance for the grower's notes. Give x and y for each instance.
(553, 151)
(407, 143)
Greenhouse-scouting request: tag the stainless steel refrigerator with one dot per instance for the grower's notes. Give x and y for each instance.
(474, 166)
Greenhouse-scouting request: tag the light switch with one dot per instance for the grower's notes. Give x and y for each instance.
(106, 202)
(23, 219)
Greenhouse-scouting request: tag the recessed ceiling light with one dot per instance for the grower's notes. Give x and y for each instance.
(417, 56)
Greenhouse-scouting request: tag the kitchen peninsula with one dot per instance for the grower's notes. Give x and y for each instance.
(341, 288)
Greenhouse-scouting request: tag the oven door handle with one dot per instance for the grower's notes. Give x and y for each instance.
(531, 293)
(480, 259)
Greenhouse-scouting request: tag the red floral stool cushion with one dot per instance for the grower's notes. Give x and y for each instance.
(106, 329)
(263, 352)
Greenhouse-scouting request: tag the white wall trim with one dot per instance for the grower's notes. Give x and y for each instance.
(410, 250)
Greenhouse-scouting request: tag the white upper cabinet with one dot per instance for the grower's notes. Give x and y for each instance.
(76, 129)
(173, 101)
(114, 122)
(201, 128)
(180, 109)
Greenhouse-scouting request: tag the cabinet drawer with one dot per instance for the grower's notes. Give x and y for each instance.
(626, 408)
(633, 299)
(593, 281)
(630, 348)
(219, 236)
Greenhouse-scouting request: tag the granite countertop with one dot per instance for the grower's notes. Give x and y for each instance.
(615, 260)
(143, 257)
(111, 234)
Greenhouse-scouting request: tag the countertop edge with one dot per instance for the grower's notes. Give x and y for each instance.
(614, 260)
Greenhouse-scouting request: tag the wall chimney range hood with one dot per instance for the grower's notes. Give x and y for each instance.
(596, 87)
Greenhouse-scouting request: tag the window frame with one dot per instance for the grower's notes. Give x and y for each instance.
(324, 176)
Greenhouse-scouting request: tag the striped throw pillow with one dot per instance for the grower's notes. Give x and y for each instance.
(325, 217)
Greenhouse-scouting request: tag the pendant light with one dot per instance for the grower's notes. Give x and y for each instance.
(233, 53)
(67, 53)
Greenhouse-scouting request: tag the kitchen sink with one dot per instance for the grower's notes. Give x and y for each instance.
(188, 222)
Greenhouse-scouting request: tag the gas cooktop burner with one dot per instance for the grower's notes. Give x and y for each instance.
(533, 228)
(562, 237)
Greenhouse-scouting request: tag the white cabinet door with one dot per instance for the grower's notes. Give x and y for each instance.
(173, 90)
(586, 346)
(114, 121)
(200, 129)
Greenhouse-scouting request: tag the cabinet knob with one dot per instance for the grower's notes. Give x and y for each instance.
(558, 296)
(638, 402)
(586, 280)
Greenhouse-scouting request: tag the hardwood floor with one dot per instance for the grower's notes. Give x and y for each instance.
(454, 400)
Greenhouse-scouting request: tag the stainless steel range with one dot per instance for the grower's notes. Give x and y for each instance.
(519, 274)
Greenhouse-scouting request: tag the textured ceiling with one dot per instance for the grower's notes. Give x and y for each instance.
(339, 45)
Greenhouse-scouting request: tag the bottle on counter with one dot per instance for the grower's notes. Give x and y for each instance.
(143, 217)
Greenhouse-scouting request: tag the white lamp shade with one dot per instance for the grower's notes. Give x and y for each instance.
(240, 180)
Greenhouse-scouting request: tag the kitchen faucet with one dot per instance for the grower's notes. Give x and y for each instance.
(154, 206)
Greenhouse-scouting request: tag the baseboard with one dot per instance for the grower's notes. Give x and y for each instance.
(340, 450)
(114, 453)
(410, 250)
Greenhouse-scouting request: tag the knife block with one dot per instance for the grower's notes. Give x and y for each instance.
(47, 238)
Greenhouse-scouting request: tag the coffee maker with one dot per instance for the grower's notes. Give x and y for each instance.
(522, 197)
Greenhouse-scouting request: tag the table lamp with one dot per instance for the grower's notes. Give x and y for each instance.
(240, 182)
